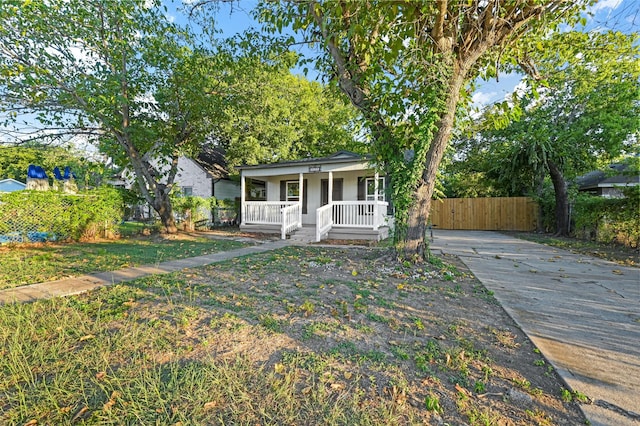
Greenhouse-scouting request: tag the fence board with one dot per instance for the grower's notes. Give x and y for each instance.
(489, 214)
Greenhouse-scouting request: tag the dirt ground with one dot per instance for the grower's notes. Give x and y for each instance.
(429, 339)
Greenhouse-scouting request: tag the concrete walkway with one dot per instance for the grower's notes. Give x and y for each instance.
(583, 313)
(81, 284)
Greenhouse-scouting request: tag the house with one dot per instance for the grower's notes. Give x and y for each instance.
(11, 185)
(603, 184)
(204, 176)
(337, 197)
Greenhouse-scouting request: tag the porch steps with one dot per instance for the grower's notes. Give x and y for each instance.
(306, 234)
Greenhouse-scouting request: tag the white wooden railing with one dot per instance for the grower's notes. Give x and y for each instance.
(290, 216)
(345, 214)
(359, 214)
(324, 221)
(264, 212)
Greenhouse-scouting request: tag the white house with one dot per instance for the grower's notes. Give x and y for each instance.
(337, 197)
(11, 185)
(207, 176)
(203, 176)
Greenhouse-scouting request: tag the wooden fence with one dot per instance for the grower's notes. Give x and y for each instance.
(489, 214)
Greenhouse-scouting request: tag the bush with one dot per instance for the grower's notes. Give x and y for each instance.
(597, 218)
(190, 209)
(50, 215)
(609, 219)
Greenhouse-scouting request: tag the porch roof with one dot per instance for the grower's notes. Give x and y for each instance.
(340, 157)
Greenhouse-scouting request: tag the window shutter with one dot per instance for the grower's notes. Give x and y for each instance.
(337, 190)
(362, 190)
(304, 196)
(283, 190)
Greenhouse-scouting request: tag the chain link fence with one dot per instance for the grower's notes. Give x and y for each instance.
(34, 216)
(33, 223)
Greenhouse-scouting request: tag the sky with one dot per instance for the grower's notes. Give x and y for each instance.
(622, 15)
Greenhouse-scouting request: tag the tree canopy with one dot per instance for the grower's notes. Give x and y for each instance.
(15, 160)
(405, 65)
(271, 115)
(124, 74)
(585, 116)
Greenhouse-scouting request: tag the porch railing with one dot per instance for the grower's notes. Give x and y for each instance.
(345, 214)
(359, 214)
(324, 221)
(290, 219)
(264, 212)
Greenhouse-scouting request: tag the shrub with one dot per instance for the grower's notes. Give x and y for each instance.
(190, 208)
(50, 215)
(609, 219)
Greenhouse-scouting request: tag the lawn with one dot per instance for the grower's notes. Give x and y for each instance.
(621, 254)
(34, 263)
(301, 335)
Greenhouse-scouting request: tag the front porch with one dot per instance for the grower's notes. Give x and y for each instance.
(340, 196)
(344, 220)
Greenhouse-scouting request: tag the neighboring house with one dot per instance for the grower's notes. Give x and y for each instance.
(11, 185)
(204, 176)
(207, 176)
(337, 197)
(604, 185)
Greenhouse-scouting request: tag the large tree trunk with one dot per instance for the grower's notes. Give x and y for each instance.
(162, 205)
(562, 199)
(416, 242)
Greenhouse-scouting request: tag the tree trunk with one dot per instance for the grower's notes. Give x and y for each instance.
(162, 205)
(154, 192)
(562, 199)
(416, 243)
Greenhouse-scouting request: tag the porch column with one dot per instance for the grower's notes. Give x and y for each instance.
(243, 190)
(300, 198)
(330, 197)
(375, 205)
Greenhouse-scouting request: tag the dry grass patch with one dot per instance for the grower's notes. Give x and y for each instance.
(295, 336)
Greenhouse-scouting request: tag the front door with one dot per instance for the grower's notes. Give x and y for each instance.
(324, 191)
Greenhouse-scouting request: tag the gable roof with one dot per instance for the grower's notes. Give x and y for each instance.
(213, 161)
(600, 179)
(336, 158)
(12, 184)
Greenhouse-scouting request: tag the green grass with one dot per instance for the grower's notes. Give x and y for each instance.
(245, 342)
(22, 265)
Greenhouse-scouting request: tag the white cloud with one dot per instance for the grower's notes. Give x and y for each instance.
(483, 98)
(605, 4)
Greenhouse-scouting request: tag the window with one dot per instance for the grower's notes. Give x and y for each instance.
(187, 191)
(293, 191)
(370, 185)
(256, 190)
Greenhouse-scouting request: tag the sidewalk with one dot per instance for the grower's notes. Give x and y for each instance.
(583, 313)
(84, 283)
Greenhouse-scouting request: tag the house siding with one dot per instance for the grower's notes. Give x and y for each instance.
(192, 175)
(10, 185)
(226, 190)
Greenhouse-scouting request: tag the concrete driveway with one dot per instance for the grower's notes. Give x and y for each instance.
(583, 313)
